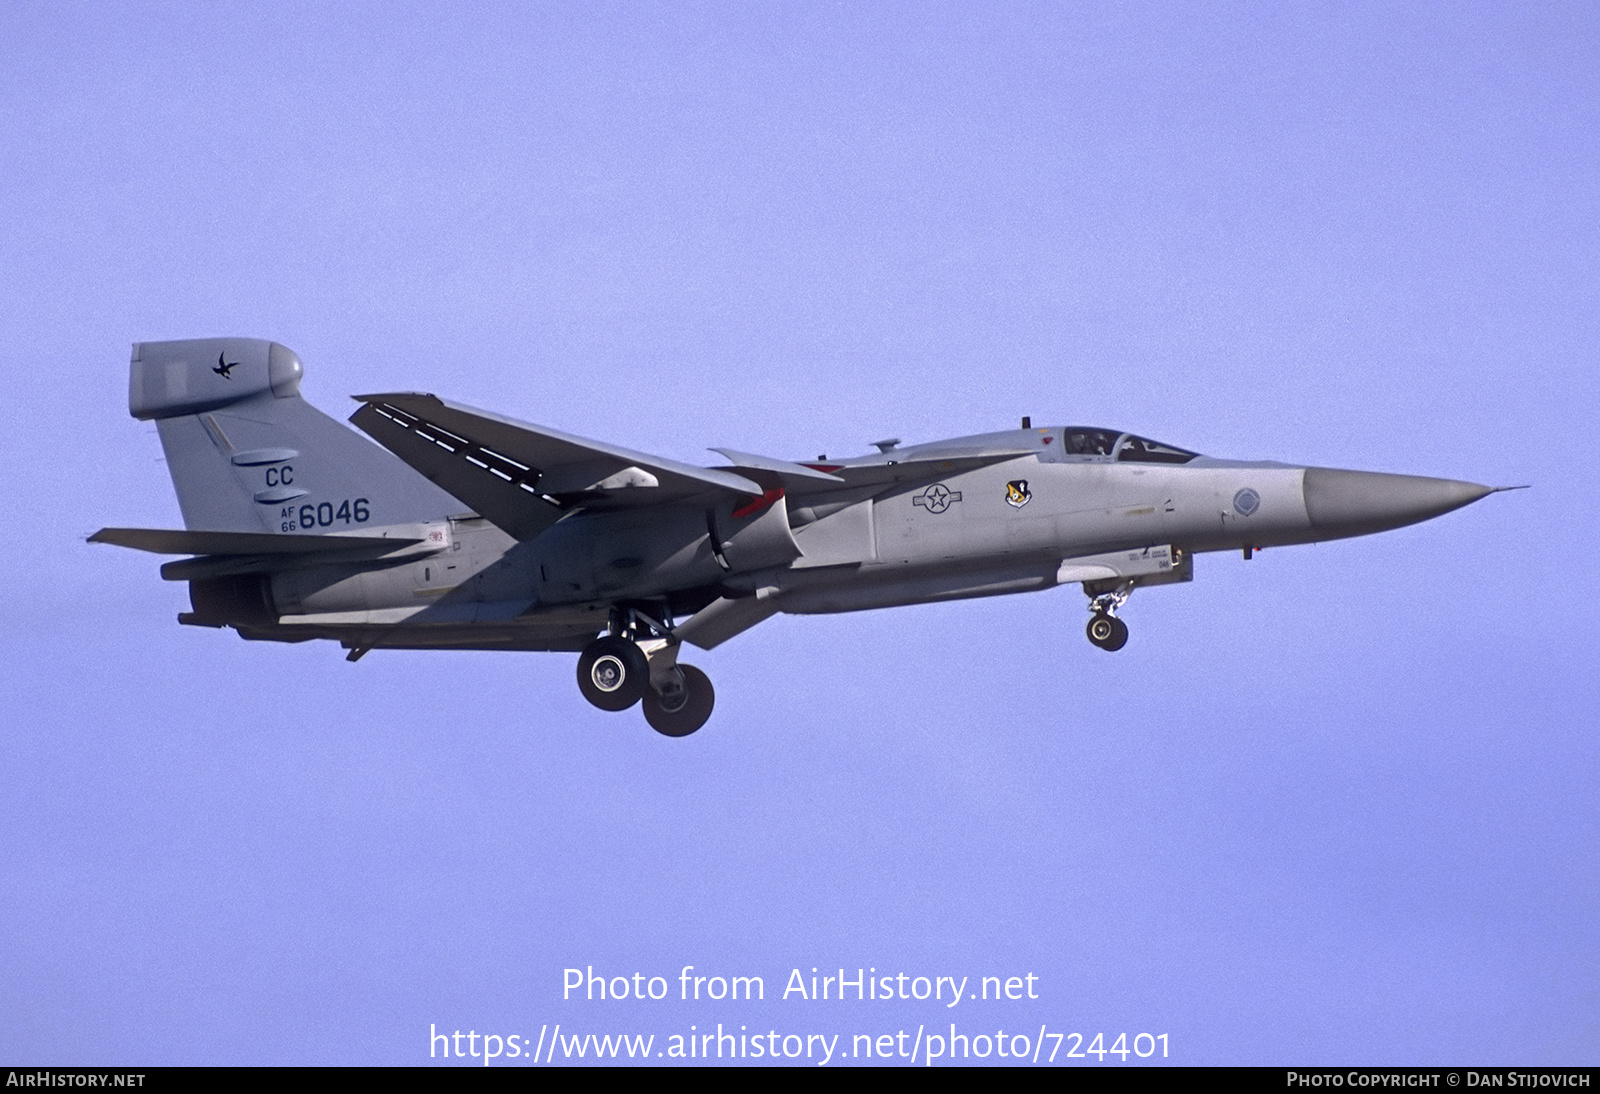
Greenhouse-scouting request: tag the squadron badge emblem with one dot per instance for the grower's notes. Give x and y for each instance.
(1017, 493)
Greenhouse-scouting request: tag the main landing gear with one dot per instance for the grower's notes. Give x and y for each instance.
(638, 663)
(1105, 629)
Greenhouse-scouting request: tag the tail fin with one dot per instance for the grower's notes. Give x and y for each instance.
(247, 454)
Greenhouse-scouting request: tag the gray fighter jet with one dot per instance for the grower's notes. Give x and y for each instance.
(475, 531)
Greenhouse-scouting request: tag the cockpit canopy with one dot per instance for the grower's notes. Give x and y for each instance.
(1123, 447)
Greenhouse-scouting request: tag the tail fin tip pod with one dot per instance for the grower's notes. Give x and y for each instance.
(248, 454)
(174, 379)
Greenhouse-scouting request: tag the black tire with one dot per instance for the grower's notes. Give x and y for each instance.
(1108, 632)
(691, 710)
(613, 673)
(1100, 629)
(1120, 637)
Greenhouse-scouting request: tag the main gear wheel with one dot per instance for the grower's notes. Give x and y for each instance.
(613, 673)
(682, 710)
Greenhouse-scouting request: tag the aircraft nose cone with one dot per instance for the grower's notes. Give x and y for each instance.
(1354, 503)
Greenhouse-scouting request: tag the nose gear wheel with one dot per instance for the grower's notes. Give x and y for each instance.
(1107, 631)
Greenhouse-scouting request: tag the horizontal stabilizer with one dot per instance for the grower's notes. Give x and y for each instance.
(172, 541)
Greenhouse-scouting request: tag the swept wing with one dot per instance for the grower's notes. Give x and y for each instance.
(525, 477)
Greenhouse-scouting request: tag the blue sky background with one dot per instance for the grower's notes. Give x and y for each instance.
(1334, 805)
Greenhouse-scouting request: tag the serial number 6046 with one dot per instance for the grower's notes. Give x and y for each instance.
(321, 516)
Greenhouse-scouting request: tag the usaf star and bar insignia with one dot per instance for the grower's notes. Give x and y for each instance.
(937, 498)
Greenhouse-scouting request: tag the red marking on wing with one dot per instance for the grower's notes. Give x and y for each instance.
(1047, 440)
(755, 505)
(827, 468)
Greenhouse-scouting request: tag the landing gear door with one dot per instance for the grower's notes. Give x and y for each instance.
(1162, 565)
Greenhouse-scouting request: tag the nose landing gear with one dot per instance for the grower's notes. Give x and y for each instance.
(1105, 629)
(1108, 632)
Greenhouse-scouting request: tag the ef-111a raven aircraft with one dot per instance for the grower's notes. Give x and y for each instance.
(476, 531)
